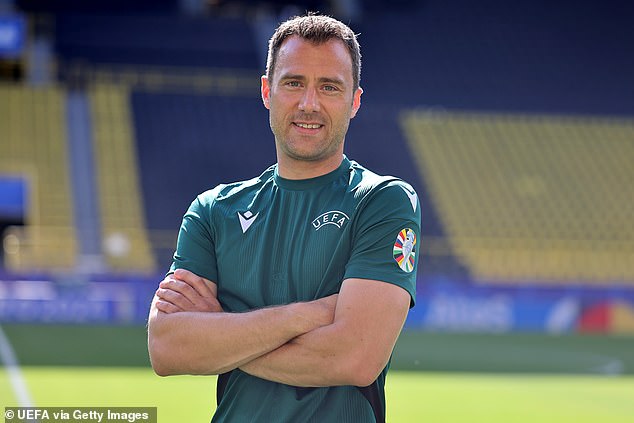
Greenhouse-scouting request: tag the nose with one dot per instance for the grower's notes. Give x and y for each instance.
(309, 102)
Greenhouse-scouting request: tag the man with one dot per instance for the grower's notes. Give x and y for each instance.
(294, 286)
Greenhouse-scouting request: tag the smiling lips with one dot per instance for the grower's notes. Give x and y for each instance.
(308, 125)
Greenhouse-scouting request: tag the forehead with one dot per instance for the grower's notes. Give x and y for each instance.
(298, 55)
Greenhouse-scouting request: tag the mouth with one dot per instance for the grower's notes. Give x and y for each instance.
(308, 126)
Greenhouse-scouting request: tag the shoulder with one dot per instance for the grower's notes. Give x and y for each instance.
(384, 190)
(232, 192)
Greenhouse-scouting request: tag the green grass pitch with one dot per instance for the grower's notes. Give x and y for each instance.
(411, 396)
(435, 377)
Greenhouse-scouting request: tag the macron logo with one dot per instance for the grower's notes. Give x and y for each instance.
(246, 219)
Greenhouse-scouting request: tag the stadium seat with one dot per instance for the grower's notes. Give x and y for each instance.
(34, 146)
(530, 198)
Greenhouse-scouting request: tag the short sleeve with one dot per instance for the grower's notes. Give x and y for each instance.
(195, 248)
(386, 237)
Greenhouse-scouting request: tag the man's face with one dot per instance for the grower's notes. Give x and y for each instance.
(311, 100)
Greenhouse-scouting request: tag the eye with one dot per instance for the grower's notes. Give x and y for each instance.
(330, 88)
(293, 84)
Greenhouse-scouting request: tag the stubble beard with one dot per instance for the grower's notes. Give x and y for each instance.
(326, 147)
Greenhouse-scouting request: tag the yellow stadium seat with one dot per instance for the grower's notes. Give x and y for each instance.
(530, 198)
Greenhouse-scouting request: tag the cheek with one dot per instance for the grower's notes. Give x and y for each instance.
(342, 115)
(277, 119)
(278, 106)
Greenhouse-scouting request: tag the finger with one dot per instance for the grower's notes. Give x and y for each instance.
(192, 301)
(186, 297)
(181, 287)
(185, 275)
(201, 285)
(174, 297)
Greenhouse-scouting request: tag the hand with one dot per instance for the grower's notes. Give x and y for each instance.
(317, 313)
(186, 291)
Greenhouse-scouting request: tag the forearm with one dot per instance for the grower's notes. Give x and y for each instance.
(213, 343)
(353, 350)
(318, 358)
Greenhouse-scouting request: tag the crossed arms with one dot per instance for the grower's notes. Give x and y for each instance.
(343, 339)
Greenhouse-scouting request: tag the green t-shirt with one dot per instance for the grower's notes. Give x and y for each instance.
(271, 241)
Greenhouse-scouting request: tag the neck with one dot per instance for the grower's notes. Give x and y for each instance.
(289, 168)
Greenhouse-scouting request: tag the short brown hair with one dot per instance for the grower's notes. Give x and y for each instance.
(317, 29)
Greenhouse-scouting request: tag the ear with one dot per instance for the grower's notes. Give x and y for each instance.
(356, 102)
(266, 92)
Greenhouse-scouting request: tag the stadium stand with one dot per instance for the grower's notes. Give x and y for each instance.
(563, 57)
(192, 96)
(532, 198)
(126, 244)
(155, 39)
(188, 143)
(512, 120)
(34, 146)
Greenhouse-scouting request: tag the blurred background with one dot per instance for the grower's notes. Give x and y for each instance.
(514, 121)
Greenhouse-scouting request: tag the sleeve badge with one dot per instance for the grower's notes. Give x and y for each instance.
(404, 250)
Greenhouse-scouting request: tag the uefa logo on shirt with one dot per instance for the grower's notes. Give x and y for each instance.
(404, 250)
(334, 217)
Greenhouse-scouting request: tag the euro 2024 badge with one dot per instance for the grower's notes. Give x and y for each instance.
(405, 250)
